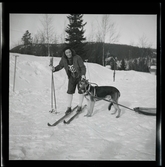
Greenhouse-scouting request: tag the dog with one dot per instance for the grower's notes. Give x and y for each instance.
(95, 93)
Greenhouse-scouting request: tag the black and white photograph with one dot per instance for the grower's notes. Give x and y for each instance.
(83, 86)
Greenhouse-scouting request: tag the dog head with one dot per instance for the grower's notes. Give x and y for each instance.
(82, 85)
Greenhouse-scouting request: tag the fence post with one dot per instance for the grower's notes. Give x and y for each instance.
(114, 69)
(87, 68)
(14, 72)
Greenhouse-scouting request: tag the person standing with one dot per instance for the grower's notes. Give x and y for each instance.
(76, 71)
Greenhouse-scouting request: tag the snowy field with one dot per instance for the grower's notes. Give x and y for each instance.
(100, 137)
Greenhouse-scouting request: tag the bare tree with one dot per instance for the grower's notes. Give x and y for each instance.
(63, 33)
(92, 33)
(39, 37)
(36, 39)
(143, 42)
(146, 51)
(107, 32)
(48, 31)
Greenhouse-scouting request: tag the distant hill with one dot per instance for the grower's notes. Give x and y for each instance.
(93, 51)
(38, 49)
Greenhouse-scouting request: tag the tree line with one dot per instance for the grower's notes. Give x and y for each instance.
(126, 57)
(120, 57)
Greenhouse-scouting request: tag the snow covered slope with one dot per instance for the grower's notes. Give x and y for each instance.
(100, 137)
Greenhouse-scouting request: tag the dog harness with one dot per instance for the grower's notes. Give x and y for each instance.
(94, 95)
(87, 92)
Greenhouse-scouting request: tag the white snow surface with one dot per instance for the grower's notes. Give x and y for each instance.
(100, 137)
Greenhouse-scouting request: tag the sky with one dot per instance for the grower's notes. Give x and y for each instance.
(130, 27)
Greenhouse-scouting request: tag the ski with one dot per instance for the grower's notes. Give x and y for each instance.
(58, 121)
(74, 116)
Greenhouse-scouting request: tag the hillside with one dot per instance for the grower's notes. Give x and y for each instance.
(93, 51)
(100, 137)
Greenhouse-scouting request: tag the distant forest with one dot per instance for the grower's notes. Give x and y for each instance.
(134, 58)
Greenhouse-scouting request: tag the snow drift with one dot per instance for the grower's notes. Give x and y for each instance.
(100, 137)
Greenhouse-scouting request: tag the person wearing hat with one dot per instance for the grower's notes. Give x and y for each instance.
(76, 71)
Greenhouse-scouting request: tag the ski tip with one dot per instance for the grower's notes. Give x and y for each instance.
(64, 122)
(48, 124)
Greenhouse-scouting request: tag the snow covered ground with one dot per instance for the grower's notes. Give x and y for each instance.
(100, 137)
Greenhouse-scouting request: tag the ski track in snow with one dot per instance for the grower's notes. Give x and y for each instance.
(100, 137)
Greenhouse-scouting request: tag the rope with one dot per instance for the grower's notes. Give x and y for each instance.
(118, 104)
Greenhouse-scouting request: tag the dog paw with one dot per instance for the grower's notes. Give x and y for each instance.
(118, 115)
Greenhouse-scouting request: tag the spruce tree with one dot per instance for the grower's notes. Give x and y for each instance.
(123, 65)
(75, 34)
(27, 39)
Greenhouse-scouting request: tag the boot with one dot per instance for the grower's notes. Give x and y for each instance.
(69, 100)
(68, 110)
(79, 108)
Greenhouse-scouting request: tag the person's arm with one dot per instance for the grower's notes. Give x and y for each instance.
(58, 67)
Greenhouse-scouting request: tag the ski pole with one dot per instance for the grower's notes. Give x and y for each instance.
(51, 64)
(15, 72)
(52, 89)
(52, 93)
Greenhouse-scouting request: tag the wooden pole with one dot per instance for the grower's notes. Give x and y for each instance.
(87, 68)
(15, 72)
(114, 70)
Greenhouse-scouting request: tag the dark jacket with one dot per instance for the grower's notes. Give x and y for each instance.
(77, 63)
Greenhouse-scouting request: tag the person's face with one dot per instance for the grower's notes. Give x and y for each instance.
(68, 53)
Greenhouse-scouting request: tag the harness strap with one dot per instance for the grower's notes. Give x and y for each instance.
(94, 95)
(118, 104)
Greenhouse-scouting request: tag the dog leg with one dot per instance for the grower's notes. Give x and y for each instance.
(114, 111)
(90, 108)
(117, 109)
(115, 98)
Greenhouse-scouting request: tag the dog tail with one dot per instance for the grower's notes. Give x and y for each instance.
(110, 105)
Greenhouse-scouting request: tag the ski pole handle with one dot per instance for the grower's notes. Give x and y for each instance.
(51, 61)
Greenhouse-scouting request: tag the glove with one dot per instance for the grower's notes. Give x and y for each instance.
(83, 77)
(52, 68)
